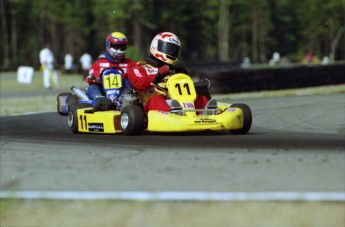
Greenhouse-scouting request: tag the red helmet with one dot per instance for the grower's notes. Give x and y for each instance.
(166, 47)
(116, 45)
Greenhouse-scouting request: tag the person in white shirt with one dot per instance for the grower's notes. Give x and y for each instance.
(68, 63)
(47, 63)
(86, 62)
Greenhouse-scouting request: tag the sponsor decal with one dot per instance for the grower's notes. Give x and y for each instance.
(205, 120)
(137, 73)
(95, 127)
(231, 109)
(104, 65)
(173, 40)
(163, 112)
(151, 70)
(188, 105)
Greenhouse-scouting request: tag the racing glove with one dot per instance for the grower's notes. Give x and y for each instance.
(91, 79)
(162, 72)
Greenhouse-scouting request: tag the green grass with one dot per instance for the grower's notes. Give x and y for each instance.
(9, 81)
(175, 214)
(25, 98)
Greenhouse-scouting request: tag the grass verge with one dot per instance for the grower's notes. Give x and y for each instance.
(25, 98)
(129, 213)
(19, 98)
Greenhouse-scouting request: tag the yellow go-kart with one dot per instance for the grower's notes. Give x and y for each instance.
(181, 93)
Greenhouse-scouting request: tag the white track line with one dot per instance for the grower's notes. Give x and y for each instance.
(28, 113)
(177, 196)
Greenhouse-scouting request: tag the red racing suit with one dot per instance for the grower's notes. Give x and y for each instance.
(102, 63)
(141, 76)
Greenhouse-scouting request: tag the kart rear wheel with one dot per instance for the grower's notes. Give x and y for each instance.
(132, 120)
(72, 100)
(59, 99)
(73, 116)
(247, 118)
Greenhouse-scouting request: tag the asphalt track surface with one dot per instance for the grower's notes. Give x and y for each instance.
(296, 144)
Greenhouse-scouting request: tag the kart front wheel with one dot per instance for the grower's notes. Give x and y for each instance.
(132, 120)
(247, 118)
(73, 115)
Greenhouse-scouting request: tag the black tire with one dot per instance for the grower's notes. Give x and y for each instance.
(104, 104)
(247, 118)
(132, 120)
(58, 102)
(73, 116)
(72, 100)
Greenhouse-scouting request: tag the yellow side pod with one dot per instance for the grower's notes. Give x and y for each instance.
(99, 122)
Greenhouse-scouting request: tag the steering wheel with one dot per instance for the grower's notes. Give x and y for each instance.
(162, 90)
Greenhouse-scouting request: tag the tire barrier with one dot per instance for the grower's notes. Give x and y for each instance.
(233, 79)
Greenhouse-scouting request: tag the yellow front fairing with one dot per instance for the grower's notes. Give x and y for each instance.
(99, 122)
(181, 88)
(230, 119)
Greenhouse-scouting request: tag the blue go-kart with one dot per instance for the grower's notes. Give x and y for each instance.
(107, 94)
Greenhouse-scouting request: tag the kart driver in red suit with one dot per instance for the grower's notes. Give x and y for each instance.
(164, 53)
(114, 56)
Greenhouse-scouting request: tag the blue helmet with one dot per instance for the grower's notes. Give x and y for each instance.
(116, 46)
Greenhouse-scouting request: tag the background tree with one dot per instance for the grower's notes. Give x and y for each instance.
(5, 38)
(335, 25)
(210, 30)
(323, 26)
(285, 27)
(223, 30)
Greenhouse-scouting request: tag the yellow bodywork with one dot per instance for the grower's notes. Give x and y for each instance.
(99, 122)
(108, 122)
(168, 122)
(181, 88)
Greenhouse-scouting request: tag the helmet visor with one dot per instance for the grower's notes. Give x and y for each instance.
(118, 46)
(170, 49)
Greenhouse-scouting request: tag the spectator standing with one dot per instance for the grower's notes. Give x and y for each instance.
(68, 63)
(47, 63)
(85, 61)
(275, 59)
(246, 62)
(325, 60)
(308, 58)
